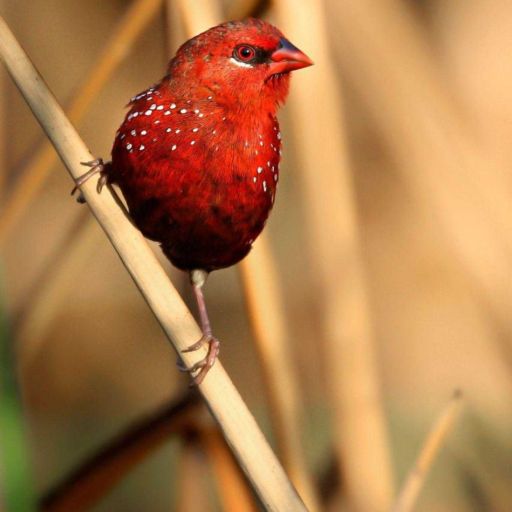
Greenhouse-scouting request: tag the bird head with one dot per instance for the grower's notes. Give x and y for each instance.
(243, 62)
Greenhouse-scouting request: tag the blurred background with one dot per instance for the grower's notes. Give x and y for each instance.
(388, 255)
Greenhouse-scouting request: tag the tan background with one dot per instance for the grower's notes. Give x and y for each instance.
(91, 356)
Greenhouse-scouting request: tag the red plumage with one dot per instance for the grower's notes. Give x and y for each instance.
(197, 156)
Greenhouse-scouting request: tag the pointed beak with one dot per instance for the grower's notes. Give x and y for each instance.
(288, 57)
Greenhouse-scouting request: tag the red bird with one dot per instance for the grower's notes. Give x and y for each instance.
(197, 156)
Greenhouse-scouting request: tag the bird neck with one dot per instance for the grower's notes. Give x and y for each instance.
(241, 97)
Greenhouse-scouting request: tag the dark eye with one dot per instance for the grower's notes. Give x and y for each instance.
(244, 53)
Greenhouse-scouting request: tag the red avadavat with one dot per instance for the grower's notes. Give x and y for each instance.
(197, 156)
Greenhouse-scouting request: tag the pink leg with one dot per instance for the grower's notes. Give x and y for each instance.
(202, 367)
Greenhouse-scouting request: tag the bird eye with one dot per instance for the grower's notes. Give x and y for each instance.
(244, 53)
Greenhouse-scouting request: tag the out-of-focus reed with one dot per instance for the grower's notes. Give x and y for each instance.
(360, 436)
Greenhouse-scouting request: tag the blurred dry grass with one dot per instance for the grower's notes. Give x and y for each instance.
(427, 104)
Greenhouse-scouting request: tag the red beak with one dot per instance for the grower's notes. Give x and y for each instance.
(288, 58)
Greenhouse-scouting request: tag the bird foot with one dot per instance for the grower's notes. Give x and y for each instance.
(96, 167)
(202, 367)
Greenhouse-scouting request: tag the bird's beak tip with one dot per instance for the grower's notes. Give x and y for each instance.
(289, 57)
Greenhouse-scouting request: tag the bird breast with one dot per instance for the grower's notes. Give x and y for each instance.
(194, 169)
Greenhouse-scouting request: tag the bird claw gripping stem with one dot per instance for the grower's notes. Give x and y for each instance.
(95, 167)
(202, 367)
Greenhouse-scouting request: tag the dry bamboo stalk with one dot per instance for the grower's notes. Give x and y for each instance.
(92, 480)
(264, 303)
(264, 298)
(241, 432)
(360, 428)
(416, 478)
(232, 487)
(135, 20)
(439, 157)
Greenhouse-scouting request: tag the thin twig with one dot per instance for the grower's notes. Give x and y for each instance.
(417, 476)
(226, 405)
(136, 19)
(93, 479)
(360, 433)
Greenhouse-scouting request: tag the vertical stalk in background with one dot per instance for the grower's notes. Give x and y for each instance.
(239, 9)
(440, 159)
(352, 376)
(199, 15)
(134, 21)
(264, 299)
(16, 489)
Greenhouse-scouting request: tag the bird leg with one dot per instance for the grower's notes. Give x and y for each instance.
(96, 167)
(198, 278)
